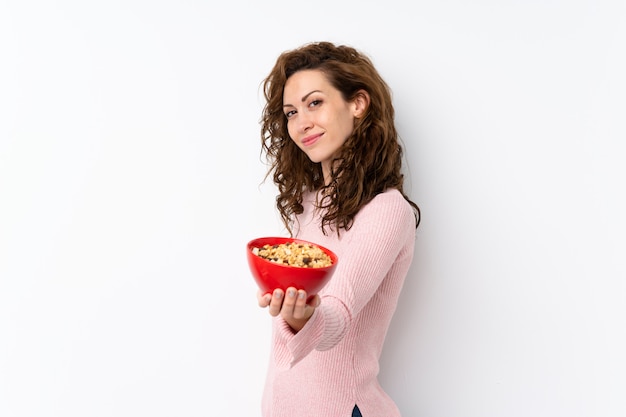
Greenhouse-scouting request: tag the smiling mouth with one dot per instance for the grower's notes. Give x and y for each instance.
(310, 140)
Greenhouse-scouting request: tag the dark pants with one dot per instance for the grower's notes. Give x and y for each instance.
(356, 412)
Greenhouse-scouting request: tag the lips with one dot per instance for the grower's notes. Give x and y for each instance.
(310, 140)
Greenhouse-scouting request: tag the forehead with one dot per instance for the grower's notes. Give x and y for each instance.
(305, 81)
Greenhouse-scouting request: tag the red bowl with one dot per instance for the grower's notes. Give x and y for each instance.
(271, 275)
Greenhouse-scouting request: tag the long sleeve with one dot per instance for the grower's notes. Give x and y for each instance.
(366, 254)
(335, 356)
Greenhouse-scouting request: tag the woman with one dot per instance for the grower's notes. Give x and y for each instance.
(328, 132)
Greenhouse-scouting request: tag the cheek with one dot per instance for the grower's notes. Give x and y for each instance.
(291, 132)
(346, 127)
(292, 135)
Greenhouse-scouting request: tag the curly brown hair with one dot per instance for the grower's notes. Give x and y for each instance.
(369, 162)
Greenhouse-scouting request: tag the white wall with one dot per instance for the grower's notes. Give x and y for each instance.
(130, 183)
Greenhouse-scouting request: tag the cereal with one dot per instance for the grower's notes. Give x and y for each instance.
(303, 255)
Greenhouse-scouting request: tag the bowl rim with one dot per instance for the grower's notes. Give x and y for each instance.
(284, 239)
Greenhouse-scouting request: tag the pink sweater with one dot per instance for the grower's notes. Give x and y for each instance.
(332, 363)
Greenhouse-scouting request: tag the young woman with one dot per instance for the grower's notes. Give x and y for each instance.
(328, 133)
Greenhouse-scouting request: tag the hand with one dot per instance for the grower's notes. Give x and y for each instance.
(292, 305)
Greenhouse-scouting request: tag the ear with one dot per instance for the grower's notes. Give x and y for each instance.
(360, 103)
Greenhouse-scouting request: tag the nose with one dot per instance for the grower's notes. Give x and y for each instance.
(304, 122)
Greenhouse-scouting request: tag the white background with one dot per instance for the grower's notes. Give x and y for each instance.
(131, 179)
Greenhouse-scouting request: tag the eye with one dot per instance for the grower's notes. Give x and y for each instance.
(315, 103)
(290, 113)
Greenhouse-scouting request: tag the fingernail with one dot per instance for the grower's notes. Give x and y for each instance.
(292, 293)
(301, 295)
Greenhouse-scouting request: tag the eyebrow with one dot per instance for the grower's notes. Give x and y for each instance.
(303, 98)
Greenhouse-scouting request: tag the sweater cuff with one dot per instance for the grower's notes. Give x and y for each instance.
(306, 340)
(323, 331)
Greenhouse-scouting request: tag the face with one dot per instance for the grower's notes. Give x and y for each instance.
(319, 120)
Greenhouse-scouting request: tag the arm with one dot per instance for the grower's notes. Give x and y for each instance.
(370, 250)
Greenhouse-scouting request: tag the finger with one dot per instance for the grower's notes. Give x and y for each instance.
(276, 302)
(300, 307)
(314, 301)
(264, 299)
(289, 302)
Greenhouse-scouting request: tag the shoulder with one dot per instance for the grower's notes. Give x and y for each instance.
(391, 196)
(390, 199)
(390, 206)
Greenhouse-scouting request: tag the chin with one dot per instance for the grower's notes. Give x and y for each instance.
(313, 158)
(317, 157)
